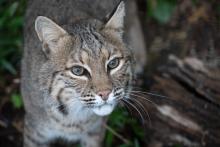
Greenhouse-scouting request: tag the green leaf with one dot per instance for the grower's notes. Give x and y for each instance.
(16, 100)
(16, 22)
(136, 143)
(161, 10)
(118, 118)
(5, 64)
(2, 21)
(109, 139)
(12, 9)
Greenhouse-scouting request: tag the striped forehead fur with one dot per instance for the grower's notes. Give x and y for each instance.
(91, 42)
(90, 39)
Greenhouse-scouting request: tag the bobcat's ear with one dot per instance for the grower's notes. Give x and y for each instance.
(116, 21)
(48, 32)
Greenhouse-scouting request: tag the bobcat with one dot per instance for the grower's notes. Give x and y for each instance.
(75, 70)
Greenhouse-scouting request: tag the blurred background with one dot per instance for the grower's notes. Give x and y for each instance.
(181, 80)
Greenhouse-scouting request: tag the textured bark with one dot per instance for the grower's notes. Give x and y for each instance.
(190, 115)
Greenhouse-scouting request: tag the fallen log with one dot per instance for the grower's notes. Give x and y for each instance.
(190, 113)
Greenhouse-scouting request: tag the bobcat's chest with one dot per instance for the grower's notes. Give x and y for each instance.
(70, 129)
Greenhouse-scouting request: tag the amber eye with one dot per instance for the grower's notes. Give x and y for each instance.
(113, 63)
(78, 70)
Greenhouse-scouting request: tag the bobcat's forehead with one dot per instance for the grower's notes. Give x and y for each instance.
(92, 49)
(90, 39)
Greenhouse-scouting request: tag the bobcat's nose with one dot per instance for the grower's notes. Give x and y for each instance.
(104, 94)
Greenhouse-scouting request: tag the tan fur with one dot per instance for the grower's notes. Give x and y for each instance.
(60, 103)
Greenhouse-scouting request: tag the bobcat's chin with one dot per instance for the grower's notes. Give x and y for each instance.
(104, 110)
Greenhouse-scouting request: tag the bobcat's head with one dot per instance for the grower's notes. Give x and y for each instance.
(88, 64)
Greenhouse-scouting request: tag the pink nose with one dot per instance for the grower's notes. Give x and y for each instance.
(104, 94)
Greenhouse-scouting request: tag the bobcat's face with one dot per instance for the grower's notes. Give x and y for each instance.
(96, 70)
(88, 66)
(100, 72)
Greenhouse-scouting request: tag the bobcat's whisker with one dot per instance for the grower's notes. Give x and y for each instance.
(134, 108)
(142, 90)
(144, 98)
(150, 93)
(143, 109)
(127, 107)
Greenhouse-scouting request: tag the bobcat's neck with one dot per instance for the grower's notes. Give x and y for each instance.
(76, 114)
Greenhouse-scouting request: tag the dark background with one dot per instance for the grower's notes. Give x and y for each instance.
(188, 28)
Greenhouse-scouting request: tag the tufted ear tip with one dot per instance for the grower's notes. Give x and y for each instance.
(116, 21)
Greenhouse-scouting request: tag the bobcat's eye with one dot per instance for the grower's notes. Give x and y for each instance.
(78, 70)
(113, 63)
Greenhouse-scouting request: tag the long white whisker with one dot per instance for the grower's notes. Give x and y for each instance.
(139, 96)
(135, 109)
(143, 108)
(126, 105)
(150, 93)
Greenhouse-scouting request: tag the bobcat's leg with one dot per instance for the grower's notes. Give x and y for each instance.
(33, 137)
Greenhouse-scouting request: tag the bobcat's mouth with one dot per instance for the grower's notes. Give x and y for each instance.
(104, 109)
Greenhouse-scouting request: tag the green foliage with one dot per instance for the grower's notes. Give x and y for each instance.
(109, 139)
(161, 10)
(177, 145)
(16, 100)
(120, 120)
(11, 22)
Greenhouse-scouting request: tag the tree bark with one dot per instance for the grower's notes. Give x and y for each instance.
(190, 114)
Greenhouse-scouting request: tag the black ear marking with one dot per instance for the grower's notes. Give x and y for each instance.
(46, 50)
(116, 19)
